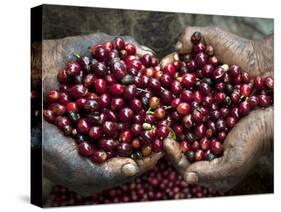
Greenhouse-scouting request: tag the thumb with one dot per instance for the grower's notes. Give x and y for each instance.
(175, 155)
(216, 174)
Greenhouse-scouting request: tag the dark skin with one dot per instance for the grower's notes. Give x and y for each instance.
(62, 162)
(252, 137)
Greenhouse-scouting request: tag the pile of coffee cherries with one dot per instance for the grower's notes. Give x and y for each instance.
(160, 183)
(117, 103)
(105, 103)
(209, 98)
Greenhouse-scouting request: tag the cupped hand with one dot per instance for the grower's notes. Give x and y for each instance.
(62, 163)
(253, 134)
(253, 56)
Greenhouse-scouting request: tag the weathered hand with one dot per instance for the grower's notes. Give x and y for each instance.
(253, 56)
(253, 134)
(62, 164)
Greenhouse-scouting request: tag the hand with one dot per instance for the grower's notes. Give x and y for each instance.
(62, 163)
(252, 136)
(255, 57)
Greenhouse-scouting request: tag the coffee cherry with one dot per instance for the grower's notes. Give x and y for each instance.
(159, 113)
(91, 106)
(244, 108)
(48, 115)
(176, 87)
(146, 60)
(200, 130)
(53, 96)
(196, 37)
(264, 101)
(162, 132)
(57, 109)
(216, 147)
(110, 128)
(245, 90)
(169, 69)
(218, 74)
(124, 149)
(183, 108)
(154, 102)
(201, 59)
(85, 149)
(198, 48)
(100, 86)
(99, 156)
(78, 91)
(130, 48)
(166, 97)
(234, 71)
(105, 100)
(258, 82)
(190, 155)
(119, 43)
(126, 115)
(99, 69)
(204, 143)
(187, 96)
(95, 133)
(268, 83)
(126, 136)
(62, 76)
(71, 106)
(157, 145)
(83, 126)
(204, 88)
(188, 80)
(136, 105)
(245, 77)
(116, 89)
(73, 68)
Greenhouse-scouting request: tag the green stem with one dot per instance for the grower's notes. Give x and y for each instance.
(75, 54)
(174, 137)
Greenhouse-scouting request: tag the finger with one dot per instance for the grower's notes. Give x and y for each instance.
(142, 50)
(175, 155)
(219, 174)
(169, 59)
(149, 162)
(243, 146)
(127, 167)
(252, 139)
(124, 167)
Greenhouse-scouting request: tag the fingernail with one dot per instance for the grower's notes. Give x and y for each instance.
(191, 177)
(176, 57)
(178, 46)
(129, 169)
